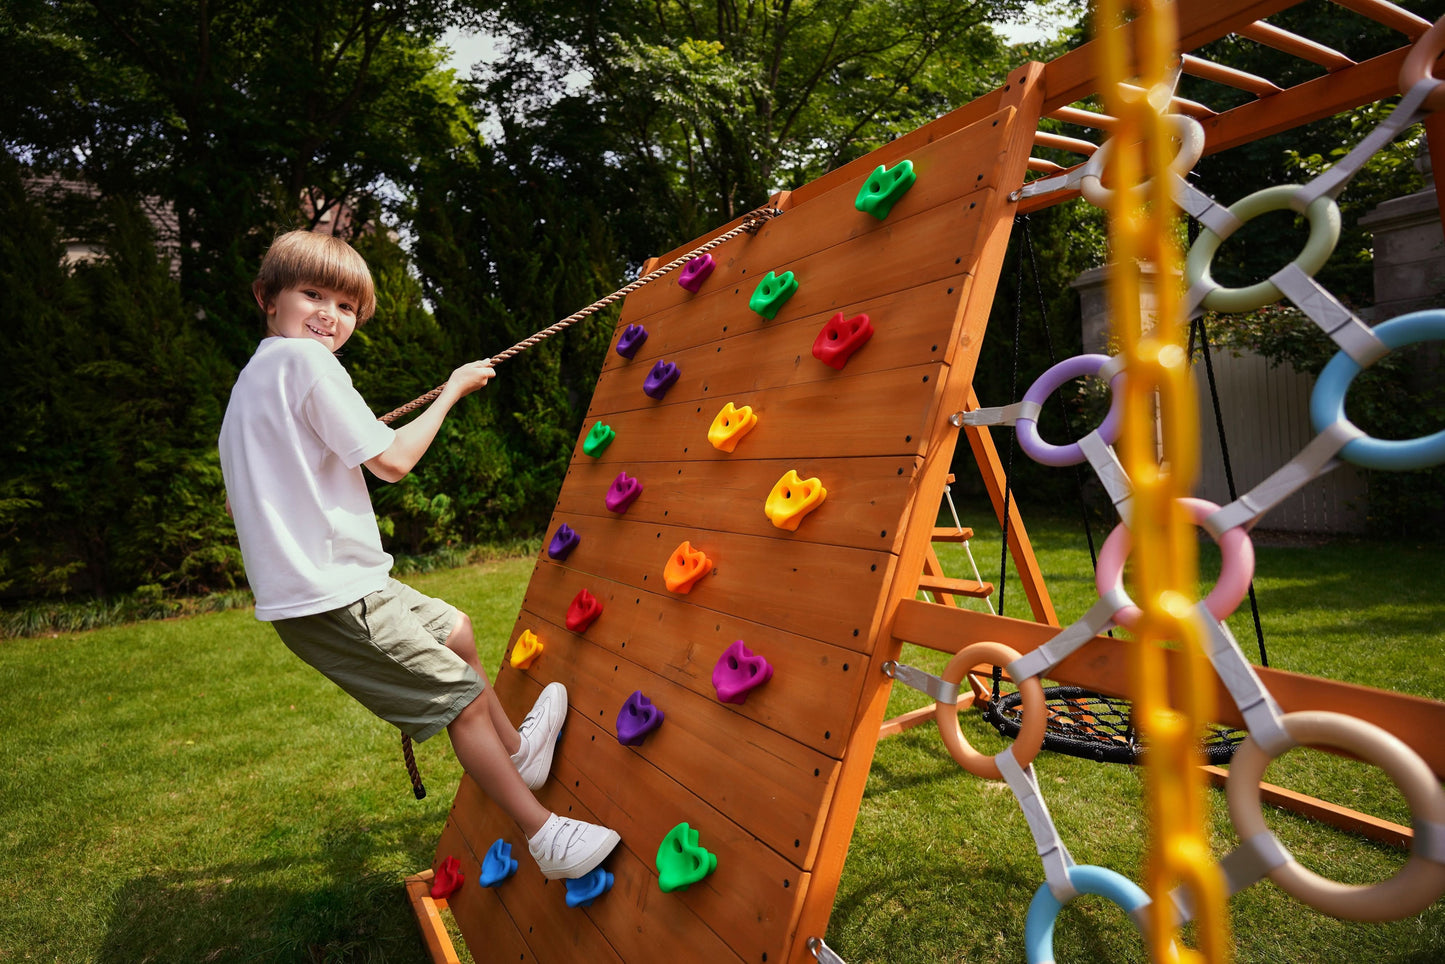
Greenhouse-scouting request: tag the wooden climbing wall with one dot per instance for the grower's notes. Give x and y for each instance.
(772, 786)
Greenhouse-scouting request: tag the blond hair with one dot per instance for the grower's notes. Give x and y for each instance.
(299, 258)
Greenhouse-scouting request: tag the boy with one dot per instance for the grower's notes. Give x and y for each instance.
(293, 441)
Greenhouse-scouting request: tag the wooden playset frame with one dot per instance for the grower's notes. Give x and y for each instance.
(773, 785)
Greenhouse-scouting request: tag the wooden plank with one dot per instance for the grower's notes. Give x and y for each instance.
(955, 587)
(720, 348)
(1367, 826)
(854, 416)
(747, 900)
(478, 911)
(433, 930)
(1103, 666)
(809, 699)
(949, 171)
(727, 761)
(558, 934)
(948, 534)
(865, 497)
(1025, 91)
(781, 587)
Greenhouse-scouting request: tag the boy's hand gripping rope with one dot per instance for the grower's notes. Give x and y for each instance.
(750, 224)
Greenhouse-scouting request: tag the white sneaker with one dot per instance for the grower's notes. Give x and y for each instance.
(570, 848)
(539, 736)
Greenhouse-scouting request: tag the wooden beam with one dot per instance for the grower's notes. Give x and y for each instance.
(1295, 45)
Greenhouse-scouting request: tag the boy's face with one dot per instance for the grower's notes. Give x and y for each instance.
(312, 311)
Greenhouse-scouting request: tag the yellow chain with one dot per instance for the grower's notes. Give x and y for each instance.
(1165, 563)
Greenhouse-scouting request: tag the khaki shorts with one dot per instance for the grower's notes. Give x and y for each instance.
(388, 650)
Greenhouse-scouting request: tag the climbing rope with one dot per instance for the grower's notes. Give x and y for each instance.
(749, 224)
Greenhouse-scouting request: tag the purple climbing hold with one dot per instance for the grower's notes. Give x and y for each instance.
(632, 338)
(563, 542)
(660, 379)
(637, 718)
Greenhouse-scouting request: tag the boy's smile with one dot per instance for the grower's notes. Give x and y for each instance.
(313, 311)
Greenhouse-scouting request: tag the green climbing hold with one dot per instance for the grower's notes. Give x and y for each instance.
(884, 187)
(681, 862)
(771, 292)
(598, 439)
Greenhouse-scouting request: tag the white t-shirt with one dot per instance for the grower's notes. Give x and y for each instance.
(292, 443)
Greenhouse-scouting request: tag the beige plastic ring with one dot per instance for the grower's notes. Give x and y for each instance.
(1420, 64)
(1418, 883)
(1031, 735)
(1191, 149)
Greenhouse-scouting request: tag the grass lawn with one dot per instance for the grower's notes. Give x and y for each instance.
(188, 791)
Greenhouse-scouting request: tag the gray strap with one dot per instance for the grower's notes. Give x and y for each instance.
(1408, 111)
(1252, 861)
(1429, 840)
(1110, 472)
(1047, 842)
(822, 953)
(1262, 715)
(1354, 337)
(1204, 209)
(1071, 637)
(1110, 368)
(1314, 460)
(937, 687)
(1003, 415)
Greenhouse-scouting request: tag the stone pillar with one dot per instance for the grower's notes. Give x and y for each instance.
(1409, 254)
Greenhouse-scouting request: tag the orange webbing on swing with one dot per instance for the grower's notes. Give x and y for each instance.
(1165, 562)
(750, 223)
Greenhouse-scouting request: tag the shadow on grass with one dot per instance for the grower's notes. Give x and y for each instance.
(272, 910)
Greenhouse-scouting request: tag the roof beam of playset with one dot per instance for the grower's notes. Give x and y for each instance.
(1072, 78)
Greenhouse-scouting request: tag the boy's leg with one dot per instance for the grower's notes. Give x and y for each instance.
(463, 641)
(530, 746)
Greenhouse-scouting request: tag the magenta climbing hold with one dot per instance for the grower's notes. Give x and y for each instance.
(660, 379)
(637, 718)
(497, 865)
(583, 612)
(738, 672)
(447, 879)
(695, 272)
(681, 860)
(563, 542)
(840, 338)
(582, 891)
(632, 338)
(623, 491)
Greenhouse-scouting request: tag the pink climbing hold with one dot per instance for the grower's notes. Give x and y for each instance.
(738, 672)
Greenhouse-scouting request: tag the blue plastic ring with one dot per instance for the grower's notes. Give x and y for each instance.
(1327, 402)
(1086, 879)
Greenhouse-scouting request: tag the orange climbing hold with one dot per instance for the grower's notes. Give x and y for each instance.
(685, 567)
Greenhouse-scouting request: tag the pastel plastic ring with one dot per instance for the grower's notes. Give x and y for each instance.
(1420, 64)
(1191, 148)
(1418, 883)
(1236, 553)
(1027, 429)
(1086, 879)
(1030, 740)
(1327, 402)
(1324, 220)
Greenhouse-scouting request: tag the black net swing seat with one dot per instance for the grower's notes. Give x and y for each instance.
(1093, 726)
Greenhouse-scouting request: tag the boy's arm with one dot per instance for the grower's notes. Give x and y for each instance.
(415, 437)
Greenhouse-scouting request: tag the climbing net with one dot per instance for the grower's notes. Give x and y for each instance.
(1157, 520)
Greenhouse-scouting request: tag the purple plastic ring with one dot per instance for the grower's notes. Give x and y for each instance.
(1027, 429)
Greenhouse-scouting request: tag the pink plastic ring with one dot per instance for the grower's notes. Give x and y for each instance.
(1420, 64)
(1236, 554)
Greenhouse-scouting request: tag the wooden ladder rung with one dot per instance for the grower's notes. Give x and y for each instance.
(955, 587)
(945, 534)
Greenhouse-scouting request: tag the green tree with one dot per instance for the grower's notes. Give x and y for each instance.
(110, 477)
(239, 118)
